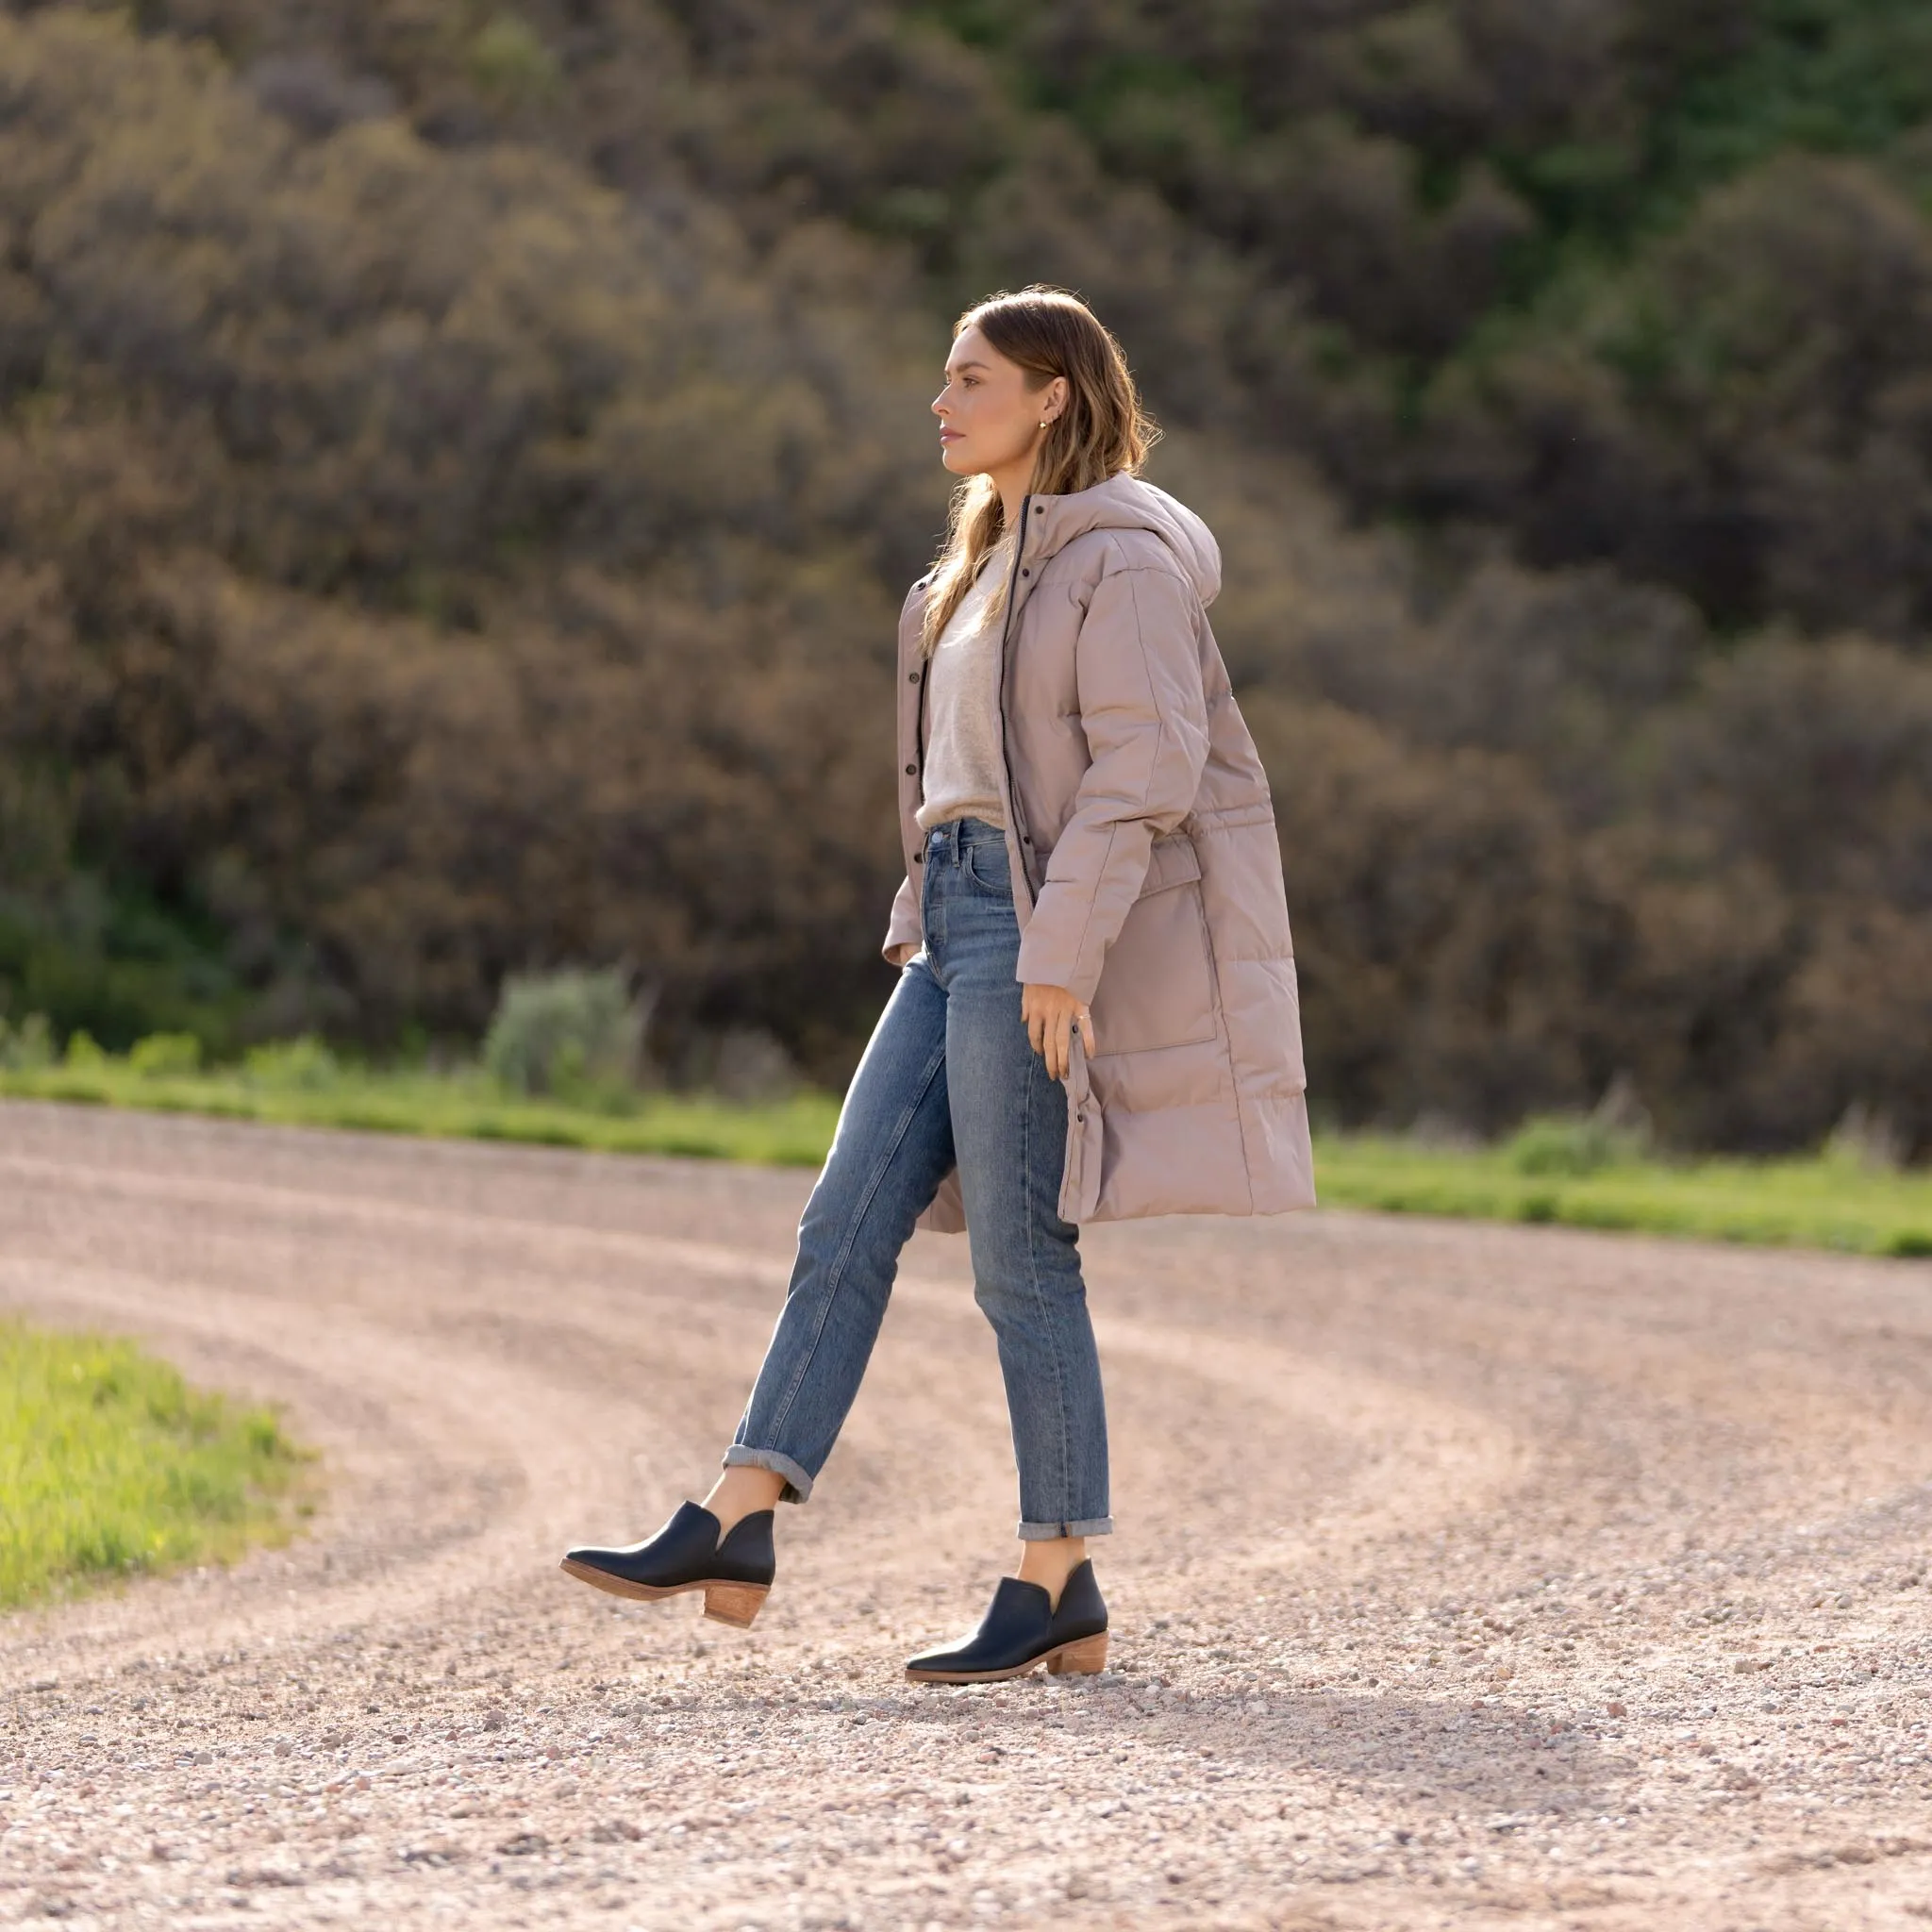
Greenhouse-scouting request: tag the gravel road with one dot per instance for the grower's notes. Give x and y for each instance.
(1467, 1576)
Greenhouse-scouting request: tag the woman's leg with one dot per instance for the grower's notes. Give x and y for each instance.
(892, 1148)
(1010, 1127)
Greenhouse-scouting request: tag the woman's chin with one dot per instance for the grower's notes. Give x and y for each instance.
(962, 462)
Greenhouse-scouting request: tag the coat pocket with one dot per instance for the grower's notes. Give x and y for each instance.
(1156, 983)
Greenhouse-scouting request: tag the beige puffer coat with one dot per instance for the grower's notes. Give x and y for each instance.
(1140, 838)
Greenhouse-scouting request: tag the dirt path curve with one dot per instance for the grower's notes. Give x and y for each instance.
(1466, 1578)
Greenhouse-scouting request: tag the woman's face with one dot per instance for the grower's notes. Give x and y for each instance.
(988, 417)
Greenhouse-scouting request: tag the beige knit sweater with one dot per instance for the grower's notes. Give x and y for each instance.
(962, 695)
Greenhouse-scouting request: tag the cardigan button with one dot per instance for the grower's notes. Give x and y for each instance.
(912, 770)
(912, 677)
(919, 858)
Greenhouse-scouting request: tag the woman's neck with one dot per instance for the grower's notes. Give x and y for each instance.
(1015, 483)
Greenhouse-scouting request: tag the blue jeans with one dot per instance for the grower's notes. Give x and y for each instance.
(949, 1074)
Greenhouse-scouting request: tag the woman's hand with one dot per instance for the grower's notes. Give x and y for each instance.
(1050, 1013)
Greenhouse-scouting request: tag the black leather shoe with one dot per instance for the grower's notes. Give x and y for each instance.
(1023, 1627)
(687, 1554)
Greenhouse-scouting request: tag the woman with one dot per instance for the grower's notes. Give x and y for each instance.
(1076, 786)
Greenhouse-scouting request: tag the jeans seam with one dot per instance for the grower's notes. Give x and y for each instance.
(1059, 1369)
(837, 1277)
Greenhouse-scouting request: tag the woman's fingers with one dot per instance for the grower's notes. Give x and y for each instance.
(1051, 1014)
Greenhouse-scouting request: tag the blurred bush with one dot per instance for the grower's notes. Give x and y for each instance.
(1617, 1131)
(304, 1063)
(508, 58)
(162, 1055)
(1571, 1145)
(566, 1032)
(747, 1064)
(28, 1047)
(1868, 1139)
(84, 1052)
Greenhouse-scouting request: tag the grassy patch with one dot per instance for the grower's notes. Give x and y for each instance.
(110, 1464)
(1824, 1201)
(467, 1105)
(1820, 1202)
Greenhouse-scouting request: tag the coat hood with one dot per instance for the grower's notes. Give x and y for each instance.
(1128, 503)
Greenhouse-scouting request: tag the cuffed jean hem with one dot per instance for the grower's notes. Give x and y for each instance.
(1052, 1532)
(797, 1482)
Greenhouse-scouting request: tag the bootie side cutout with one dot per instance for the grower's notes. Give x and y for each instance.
(734, 1571)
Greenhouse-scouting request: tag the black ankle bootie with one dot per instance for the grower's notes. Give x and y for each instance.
(734, 1572)
(1023, 1627)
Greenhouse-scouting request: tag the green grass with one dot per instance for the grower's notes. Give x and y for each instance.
(112, 1465)
(467, 1106)
(1819, 1202)
(1822, 1201)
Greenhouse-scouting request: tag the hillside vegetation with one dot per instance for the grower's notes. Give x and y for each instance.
(458, 467)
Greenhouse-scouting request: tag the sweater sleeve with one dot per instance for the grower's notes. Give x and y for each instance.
(1144, 709)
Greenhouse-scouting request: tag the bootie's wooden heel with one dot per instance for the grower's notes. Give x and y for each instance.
(734, 1603)
(1080, 1660)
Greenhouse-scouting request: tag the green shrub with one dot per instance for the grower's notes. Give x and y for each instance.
(565, 1032)
(1570, 1144)
(28, 1047)
(508, 58)
(305, 1064)
(163, 1056)
(84, 1051)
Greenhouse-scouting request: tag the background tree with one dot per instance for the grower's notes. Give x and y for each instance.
(459, 467)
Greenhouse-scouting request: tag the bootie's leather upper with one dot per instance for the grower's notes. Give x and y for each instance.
(1022, 1623)
(687, 1550)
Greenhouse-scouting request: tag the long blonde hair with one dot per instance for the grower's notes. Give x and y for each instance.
(1103, 430)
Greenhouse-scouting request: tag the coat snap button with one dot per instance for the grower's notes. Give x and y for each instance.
(912, 677)
(910, 769)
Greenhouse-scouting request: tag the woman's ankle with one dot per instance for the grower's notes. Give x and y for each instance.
(741, 1492)
(1050, 1561)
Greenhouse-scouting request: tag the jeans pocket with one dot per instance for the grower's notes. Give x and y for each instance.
(985, 864)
